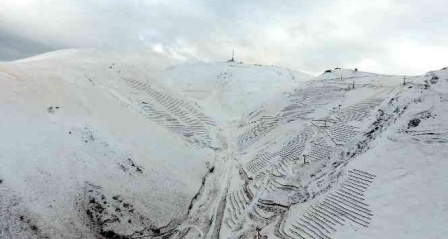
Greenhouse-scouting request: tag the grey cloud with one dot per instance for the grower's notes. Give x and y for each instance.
(307, 35)
(14, 47)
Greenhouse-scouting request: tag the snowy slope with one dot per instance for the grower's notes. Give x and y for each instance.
(104, 145)
(339, 75)
(78, 148)
(337, 158)
(409, 196)
(228, 90)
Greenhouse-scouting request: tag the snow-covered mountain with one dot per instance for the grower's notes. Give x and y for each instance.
(90, 140)
(227, 90)
(102, 145)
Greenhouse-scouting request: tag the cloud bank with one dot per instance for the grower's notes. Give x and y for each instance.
(388, 36)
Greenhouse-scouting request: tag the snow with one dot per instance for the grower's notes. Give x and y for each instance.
(49, 155)
(97, 144)
(409, 194)
(228, 90)
(364, 123)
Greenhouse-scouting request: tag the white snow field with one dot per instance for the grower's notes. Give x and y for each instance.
(101, 145)
(228, 90)
(89, 140)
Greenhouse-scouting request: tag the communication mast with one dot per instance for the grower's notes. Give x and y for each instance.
(233, 56)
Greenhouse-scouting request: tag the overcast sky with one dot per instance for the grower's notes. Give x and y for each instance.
(402, 37)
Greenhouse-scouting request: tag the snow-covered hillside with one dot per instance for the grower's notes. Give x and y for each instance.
(336, 158)
(102, 145)
(228, 90)
(89, 140)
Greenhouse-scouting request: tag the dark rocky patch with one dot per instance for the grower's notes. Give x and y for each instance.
(113, 235)
(31, 226)
(130, 167)
(137, 168)
(111, 216)
(156, 230)
(434, 80)
(413, 123)
(50, 110)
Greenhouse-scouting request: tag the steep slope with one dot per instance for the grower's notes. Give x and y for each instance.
(228, 90)
(409, 196)
(101, 145)
(288, 152)
(90, 146)
(315, 162)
